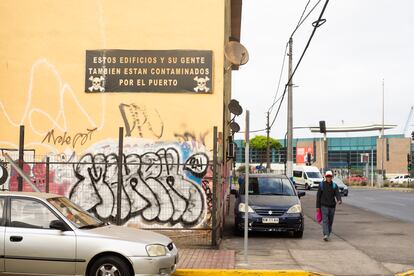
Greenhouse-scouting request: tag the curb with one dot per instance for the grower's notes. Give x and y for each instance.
(240, 272)
(408, 273)
(407, 190)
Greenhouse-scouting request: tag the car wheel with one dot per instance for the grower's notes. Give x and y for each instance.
(109, 266)
(307, 187)
(237, 231)
(298, 234)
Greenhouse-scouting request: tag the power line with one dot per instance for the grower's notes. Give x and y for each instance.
(300, 19)
(253, 131)
(315, 25)
(280, 79)
(300, 22)
(304, 19)
(264, 129)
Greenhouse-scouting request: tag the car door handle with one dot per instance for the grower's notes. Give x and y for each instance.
(16, 238)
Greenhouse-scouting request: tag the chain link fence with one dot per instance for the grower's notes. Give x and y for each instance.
(161, 189)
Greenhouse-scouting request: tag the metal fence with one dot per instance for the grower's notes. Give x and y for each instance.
(160, 190)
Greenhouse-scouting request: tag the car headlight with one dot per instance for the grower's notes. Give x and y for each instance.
(295, 209)
(156, 250)
(242, 207)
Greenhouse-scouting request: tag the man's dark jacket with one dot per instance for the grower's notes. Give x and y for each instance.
(326, 196)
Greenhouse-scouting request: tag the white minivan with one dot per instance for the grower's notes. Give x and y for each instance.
(307, 176)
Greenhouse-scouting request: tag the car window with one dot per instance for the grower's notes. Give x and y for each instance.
(73, 213)
(269, 186)
(28, 213)
(297, 173)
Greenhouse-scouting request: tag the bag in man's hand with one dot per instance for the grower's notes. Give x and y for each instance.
(318, 216)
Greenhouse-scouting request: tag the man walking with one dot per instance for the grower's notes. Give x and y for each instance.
(325, 202)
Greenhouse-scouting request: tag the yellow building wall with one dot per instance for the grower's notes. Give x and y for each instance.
(42, 82)
(42, 65)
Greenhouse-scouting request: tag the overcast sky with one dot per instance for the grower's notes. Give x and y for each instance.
(340, 78)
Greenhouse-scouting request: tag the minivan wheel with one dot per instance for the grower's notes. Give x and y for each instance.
(307, 187)
(298, 234)
(237, 231)
(109, 266)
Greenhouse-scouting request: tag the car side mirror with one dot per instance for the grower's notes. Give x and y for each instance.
(58, 225)
(301, 194)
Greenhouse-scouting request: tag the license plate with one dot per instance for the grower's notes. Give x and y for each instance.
(270, 220)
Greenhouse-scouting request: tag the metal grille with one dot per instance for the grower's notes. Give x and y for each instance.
(270, 212)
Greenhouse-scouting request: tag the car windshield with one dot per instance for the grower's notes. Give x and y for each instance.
(74, 213)
(268, 186)
(314, 174)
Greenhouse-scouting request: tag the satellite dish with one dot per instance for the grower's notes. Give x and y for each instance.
(236, 53)
(234, 127)
(235, 107)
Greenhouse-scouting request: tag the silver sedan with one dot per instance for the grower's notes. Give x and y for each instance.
(45, 234)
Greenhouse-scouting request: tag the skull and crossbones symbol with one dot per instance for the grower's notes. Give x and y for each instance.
(201, 84)
(96, 84)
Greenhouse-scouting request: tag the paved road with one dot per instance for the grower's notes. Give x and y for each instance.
(364, 243)
(396, 204)
(391, 203)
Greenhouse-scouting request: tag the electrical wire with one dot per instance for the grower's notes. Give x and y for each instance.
(300, 22)
(280, 79)
(304, 19)
(300, 19)
(315, 25)
(253, 131)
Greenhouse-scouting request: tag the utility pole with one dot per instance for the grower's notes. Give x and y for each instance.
(382, 134)
(268, 143)
(246, 188)
(289, 157)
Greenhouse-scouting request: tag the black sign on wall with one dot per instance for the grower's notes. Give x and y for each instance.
(148, 71)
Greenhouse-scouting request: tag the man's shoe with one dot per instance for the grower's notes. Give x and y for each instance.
(325, 238)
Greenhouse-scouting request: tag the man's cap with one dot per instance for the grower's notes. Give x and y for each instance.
(328, 173)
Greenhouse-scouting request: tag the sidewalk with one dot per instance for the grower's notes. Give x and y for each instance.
(206, 259)
(210, 262)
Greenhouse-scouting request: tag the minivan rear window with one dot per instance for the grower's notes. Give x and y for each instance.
(268, 186)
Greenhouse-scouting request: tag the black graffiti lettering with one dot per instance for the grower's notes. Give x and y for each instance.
(136, 118)
(154, 187)
(68, 139)
(197, 164)
(209, 194)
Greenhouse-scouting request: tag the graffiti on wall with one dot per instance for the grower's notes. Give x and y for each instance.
(154, 187)
(67, 139)
(162, 184)
(138, 121)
